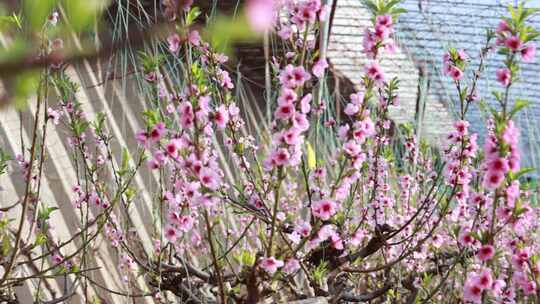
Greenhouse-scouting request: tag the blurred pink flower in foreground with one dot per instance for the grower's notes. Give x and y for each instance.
(261, 14)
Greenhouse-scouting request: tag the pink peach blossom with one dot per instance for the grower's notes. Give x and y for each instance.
(504, 76)
(485, 253)
(271, 265)
(324, 209)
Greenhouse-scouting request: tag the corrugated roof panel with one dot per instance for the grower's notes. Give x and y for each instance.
(424, 33)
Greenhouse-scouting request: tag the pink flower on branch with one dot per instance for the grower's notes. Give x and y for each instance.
(324, 209)
(528, 52)
(513, 43)
(374, 72)
(485, 253)
(174, 41)
(209, 178)
(504, 76)
(319, 67)
(271, 265)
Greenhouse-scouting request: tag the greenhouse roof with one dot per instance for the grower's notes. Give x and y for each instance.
(425, 32)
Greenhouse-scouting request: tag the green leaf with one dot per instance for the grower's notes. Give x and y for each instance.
(41, 239)
(398, 11)
(520, 211)
(6, 246)
(99, 121)
(6, 21)
(225, 31)
(81, 14)
(427, 279)
(130, 193)
(520, 173)
(518, 106)
(151, 117)
(319, 273)
(25, 85)
(4, 158)
(497, 95)
(392, 3)
(239, 148)
(512, 12)
(75, 269)
(463, 94)
(45, 213)
(125, 162)
(38, 11)
(247, 258)
(311, 157)
(532, 35)
(371, 6)
(80, 126)
(192, 15)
